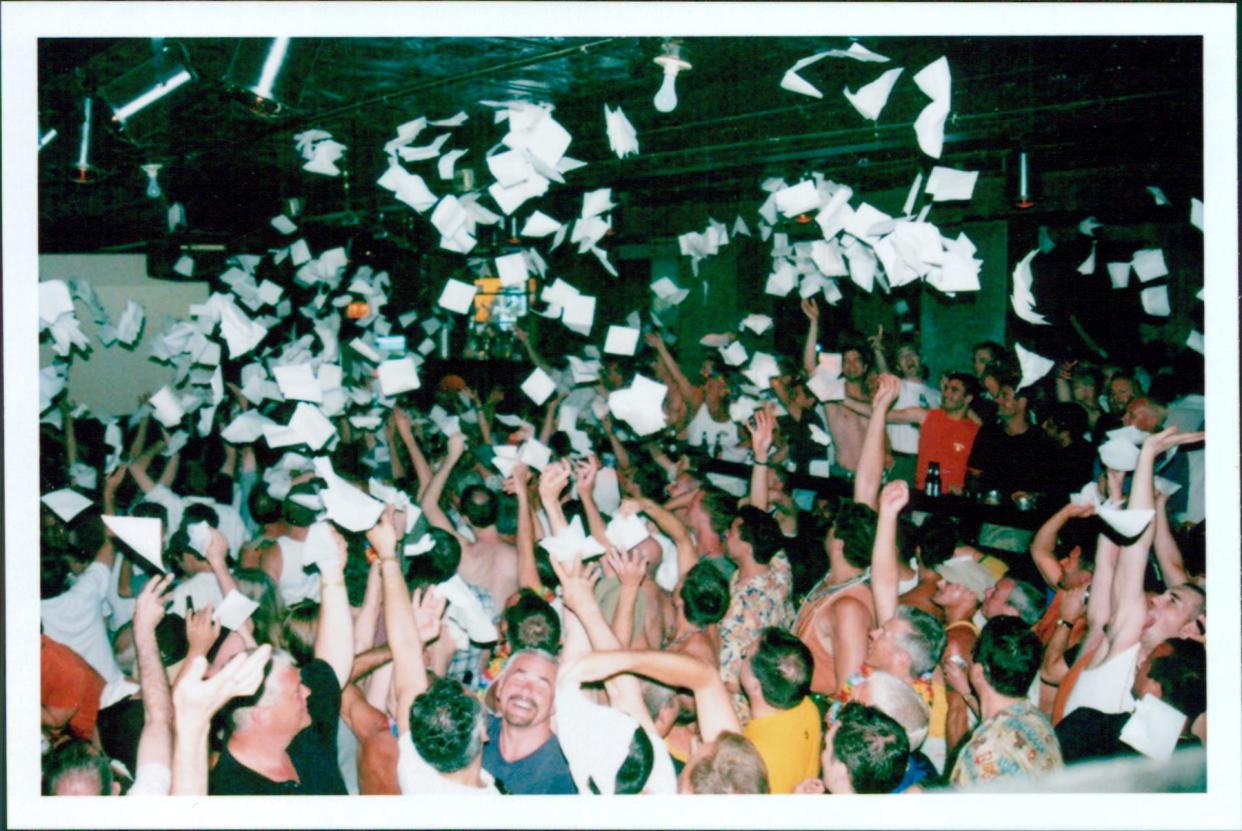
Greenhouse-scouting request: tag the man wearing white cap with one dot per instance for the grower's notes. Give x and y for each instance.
(959, 592)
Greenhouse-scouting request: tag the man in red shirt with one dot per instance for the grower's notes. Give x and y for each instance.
(946, 434)
(71, 689)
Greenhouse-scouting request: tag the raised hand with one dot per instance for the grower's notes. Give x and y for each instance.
(201, 630)
(553, 480)
(456, 445)
(887, 388)
(196, 699)
(814, 785)
(429, 610)
(1074, 602)
(217, 549)
(762, 426)
(1157, 443)
(894, 497)
(584, 472)
(383, 534)
(811, 309)
(577, 582)
(629, 566)
(149, 606)
(877, 340)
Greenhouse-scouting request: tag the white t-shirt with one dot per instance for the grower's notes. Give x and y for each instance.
(203, 587)
(905, 437)
(75, 618)
(1106, 688)
(414, 775)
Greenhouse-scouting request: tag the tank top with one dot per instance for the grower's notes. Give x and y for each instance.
(295, 584)
(824, 676)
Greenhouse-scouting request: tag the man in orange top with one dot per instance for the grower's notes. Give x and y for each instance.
(70, 691)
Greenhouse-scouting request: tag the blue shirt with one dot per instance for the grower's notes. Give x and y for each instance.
(543, 772)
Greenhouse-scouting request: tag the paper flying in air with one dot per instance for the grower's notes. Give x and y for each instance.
(1022, 299)
(540, 224)
(511, 269)
(597, 202)
(1158, 195)
(1088, 265)
(398, 376)
(869, 100)
(66, 503)
(1127, 523)
(945, 184)
(622, 137)
(1033, 366)
(310, 426)
(1149, 264)
(297, 382)
(1156, 301)
(458, 296)
(142, 534)
(934, 81)
(621, 340)
(1119, 454)
(794, 82)
(234, 610)
(625, 532)
(446, 163)
(539, 386)
(1196, 213)
(668, 291)
(1195, 341)
(1119, 274)
(640, 405)
(757, 323)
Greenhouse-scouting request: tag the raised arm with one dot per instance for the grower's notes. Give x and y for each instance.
(712, 701)
(687, 554)
(884, 570)
(1065, 374)
(430, 501)
(1168, 555)
(692, 395)
(106, 554)
(809, 354)
(876, 342)
(518, 484)
(334, 635)
(1044, 543)
(155, 742)
(762, 426)
(551, 482)
(1129, 601)
(870, 470)
(196, 700)
(409, 676)
(523, 337)
(584, 474)
(422, 470)
(217, 557)
(367, 621)
(618, 448)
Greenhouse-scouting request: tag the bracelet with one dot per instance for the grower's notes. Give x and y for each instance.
(330, 583)
(758, 463)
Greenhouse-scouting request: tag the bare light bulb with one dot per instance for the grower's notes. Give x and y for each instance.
(666, 98)
(153, 183)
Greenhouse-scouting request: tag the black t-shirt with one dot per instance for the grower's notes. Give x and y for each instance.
(313, 751)
(1011, 463)
(1087, 733)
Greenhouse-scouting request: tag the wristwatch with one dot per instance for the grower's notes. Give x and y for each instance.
(1069, 624)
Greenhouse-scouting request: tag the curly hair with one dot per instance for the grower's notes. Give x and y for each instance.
(445, 724)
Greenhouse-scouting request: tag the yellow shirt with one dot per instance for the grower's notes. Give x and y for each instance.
(790, 743)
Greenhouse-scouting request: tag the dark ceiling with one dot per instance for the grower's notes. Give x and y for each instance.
(1079, 105)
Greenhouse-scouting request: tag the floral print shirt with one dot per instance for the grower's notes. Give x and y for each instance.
(1017, 741)
(756, 604)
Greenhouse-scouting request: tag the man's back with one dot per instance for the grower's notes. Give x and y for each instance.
(492, 566)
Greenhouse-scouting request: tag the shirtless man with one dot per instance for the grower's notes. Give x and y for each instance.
(487, 561)
(846, 426)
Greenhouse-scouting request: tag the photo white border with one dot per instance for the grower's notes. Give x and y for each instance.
(23, 23)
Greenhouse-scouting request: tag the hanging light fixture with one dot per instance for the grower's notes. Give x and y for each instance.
(153, 183)
(85, 172)
(133, 95)
(268, 74)
(672, 62)
(1023, 197)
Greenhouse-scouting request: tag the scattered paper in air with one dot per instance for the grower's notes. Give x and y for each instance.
(284, 224)
(167, 408)
(1158, 195)
(794, 82)
(298, 383)
(945, 184)
(511, 269)
(1088, 265)
(1088, 226)
(668, 291)
(621, 340)
(1156, 301)
(446, 163)
(934, 81)
(539, 386)
(1195, 341)
(540, 224)
(454, 121)
(571, 543)
(597, 202)
(622, 137)
(66, 503)
(757, 323)
(1196, 213)
(458, 296)
(869, 100)
(1149, 264)
(234, 610)
(1022, 299)
(1119, 274)
(640, 405)
(398, 376)
(1033, 366)
(142, 534)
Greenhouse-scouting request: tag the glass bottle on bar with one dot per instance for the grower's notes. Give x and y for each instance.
(931, 485)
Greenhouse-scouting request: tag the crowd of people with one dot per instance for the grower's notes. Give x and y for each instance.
(550, 601)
